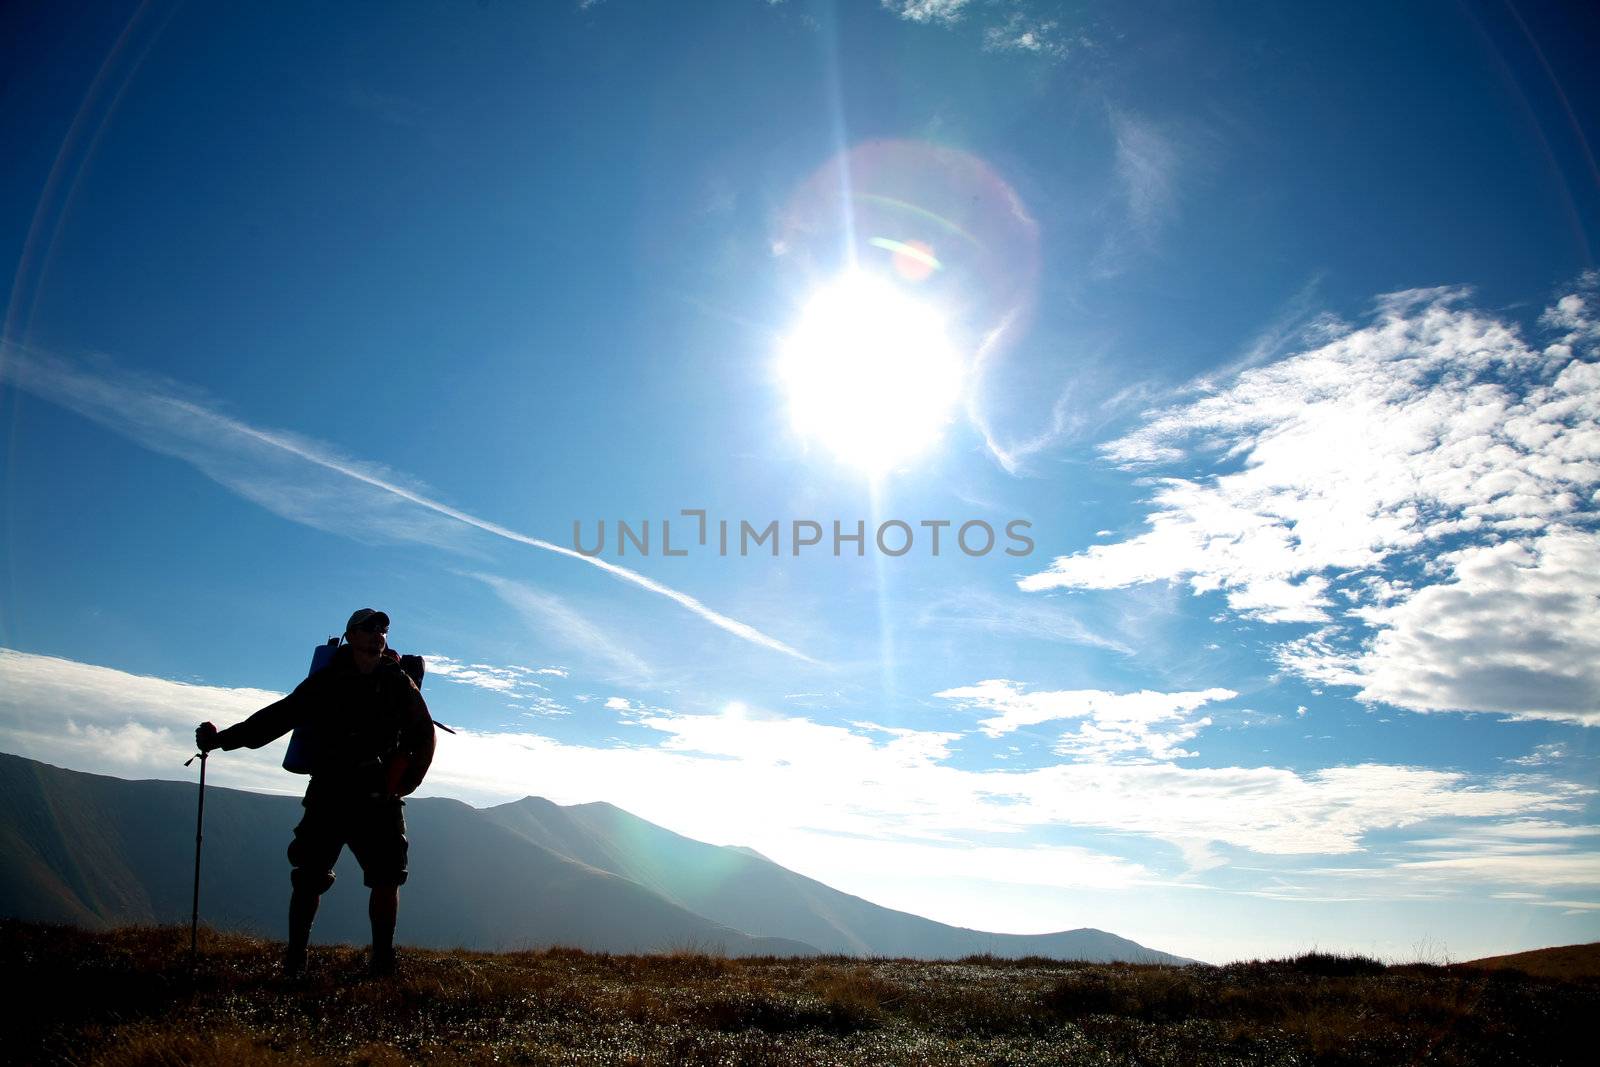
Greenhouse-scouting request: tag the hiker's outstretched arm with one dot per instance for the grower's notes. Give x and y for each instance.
(271, 722)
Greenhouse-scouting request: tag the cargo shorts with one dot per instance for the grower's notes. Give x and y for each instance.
(373, 827)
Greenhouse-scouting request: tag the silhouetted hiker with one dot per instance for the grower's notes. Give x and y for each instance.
(373, 744)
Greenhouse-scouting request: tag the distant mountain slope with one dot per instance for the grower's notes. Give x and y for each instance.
(96, 851)
(1566, 961)
(743, 889)
(99, 851)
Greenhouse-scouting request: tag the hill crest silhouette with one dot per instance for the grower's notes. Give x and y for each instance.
(98, 851)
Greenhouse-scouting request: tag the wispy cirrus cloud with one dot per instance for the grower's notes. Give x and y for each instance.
(1297, 323)
(1422, 487)
(1070, 418)
(534, 707)
(1521, 833)
(1553, 856)
(1146, 163)
(296, 477)
(980, 609)
(553, 617)
(511, 680)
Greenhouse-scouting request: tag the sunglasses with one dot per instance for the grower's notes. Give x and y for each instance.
(373, 628)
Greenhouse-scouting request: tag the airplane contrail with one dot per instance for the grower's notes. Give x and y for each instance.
(116, 405)
(733, 626)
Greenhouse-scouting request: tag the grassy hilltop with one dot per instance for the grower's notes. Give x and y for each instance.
(130, 997)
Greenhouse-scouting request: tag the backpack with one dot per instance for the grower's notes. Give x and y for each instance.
(299, 757)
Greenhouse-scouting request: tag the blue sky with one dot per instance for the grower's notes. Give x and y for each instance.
(1278, 329)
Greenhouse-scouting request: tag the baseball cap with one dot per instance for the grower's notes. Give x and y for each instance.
(366, 616)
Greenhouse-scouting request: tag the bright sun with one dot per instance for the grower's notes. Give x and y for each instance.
(869, 372)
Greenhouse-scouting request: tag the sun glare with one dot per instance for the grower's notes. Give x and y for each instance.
(870, 372)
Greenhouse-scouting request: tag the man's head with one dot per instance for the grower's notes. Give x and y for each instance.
(366, 631)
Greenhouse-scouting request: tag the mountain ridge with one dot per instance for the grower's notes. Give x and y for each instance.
(748, 885)
(98, 850)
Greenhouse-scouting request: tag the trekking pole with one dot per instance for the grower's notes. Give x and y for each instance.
(199, 825)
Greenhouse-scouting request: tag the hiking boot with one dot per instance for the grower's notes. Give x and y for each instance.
(294, 963)
(381, 963)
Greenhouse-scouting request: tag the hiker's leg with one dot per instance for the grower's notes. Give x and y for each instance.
(380, 845)
(382, 909)
(312, 855)
(302, 913)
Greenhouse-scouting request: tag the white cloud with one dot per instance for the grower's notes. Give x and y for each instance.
(1431, 471)
(133, 726)
(1574, 314)
(939, 11)
(1542, 755)
(1021, 32)
(1007, 26)
(1516, 630)
(300, 479)
(618, 704)
(791, 774)
(1144, 725)
(788, 784)
(882, 814)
